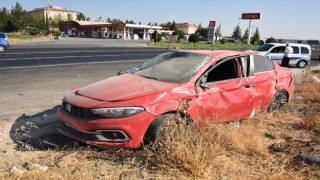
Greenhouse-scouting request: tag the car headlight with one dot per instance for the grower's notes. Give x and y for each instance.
(118, 112)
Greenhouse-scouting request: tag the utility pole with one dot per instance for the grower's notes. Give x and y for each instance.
(49, 20)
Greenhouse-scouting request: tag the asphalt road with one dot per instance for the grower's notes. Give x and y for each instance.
(76, 51)
(44, 57)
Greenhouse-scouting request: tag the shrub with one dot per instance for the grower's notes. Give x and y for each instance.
(56, 32)
(261, 42)
(156, 36)
(179, 33)
(33, 31)
(271, 40)
(194, 38)
(223, 40)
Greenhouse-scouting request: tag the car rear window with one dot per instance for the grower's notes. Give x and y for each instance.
(304, 50)
(261, 64)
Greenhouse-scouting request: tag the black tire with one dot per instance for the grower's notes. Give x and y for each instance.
(302, 63)
(156, 128)
(279, 100)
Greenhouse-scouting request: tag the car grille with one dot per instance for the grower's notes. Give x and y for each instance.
(80, 134)
(79, 112)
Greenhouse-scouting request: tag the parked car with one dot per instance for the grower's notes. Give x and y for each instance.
(4, 43)
(275, 51)
(128, 109)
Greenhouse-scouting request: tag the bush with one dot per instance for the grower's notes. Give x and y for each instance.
(33, 31)
(179, 33)
(261, 42)
(194, 38)
(156, 36)
(223, 40)
(56, 33)
(271, 40)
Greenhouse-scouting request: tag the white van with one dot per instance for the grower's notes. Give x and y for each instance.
(275, 51)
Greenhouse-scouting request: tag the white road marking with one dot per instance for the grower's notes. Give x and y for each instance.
(66, 52)
(71, 64)
(57, 57)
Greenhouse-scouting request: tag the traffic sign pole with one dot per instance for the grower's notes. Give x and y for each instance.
(249, 36)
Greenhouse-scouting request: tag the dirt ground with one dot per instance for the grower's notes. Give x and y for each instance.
(29, 99)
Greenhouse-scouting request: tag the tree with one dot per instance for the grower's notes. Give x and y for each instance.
(156, 36)
(81, 17)
(218, 32)
(4, 17)
(179, 33)
(194, 38)
(271, 40)
(69, 17)
(203, 32)
(245, 36)
(236, 35)
(223, 40)
(18, 18)
(173, 26)
(256, 37)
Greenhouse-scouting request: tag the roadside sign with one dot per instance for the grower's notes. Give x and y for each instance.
(173, 38)
(211, 31)
(212, 23)
(251, 15)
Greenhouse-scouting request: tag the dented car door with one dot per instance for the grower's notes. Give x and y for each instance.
(224, 94)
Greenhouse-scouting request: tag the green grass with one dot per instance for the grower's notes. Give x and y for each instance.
(20, 36)
(203, 45)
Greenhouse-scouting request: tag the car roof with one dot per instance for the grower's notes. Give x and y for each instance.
(218, 54)
(291, 44)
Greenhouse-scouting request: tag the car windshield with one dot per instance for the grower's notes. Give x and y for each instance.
(173, 67)
(264, 47)
(2, 35)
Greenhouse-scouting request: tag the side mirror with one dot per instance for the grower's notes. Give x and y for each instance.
(122, 72)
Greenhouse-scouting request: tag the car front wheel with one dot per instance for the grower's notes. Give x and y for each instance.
(157, 128)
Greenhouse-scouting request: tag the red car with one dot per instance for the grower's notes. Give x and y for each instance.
(220, 86)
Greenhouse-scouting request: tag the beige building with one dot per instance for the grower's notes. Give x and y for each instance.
(187, 28)
(54, 11)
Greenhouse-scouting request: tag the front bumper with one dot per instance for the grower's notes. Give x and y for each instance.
(131, 130)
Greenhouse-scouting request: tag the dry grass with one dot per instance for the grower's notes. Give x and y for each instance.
(237, 150)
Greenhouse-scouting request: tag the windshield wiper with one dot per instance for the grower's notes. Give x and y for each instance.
(149, 77)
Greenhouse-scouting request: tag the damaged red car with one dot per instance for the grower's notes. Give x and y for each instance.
(220, 86)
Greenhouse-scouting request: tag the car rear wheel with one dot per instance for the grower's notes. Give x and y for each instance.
(302, 64)
(279, 100)
(157, 128)
(1, 48)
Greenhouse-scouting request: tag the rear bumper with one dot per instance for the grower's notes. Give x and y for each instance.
(131, 129)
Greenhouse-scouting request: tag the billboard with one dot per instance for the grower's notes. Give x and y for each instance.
(251, 16)
(211, 31)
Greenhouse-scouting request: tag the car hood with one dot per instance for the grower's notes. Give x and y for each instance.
(123, 87)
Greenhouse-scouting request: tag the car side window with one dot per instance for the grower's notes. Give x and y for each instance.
(304, 50)
(269, 64)
(259, 64)
(224, 70)
(279, 49)
(296, 49)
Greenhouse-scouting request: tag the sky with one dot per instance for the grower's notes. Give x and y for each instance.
(281, 19)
